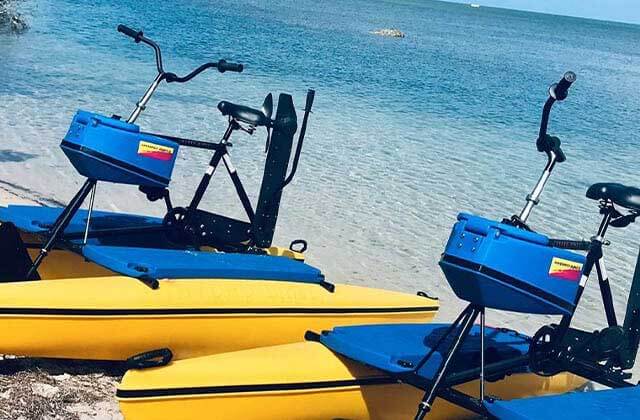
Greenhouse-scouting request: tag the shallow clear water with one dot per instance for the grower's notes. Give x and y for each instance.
(405, 132)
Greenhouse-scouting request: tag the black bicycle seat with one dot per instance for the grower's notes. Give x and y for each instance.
(627, 197)
(254, 117)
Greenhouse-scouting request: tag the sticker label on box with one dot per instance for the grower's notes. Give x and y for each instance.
(155, 151)
(565, 269)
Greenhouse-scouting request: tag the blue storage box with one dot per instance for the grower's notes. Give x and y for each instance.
(107, 149)
(499, 266)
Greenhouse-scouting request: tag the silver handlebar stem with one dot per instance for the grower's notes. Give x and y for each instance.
(142, 103)
(534, 198)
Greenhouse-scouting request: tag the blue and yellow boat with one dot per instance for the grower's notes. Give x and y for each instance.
(87, 284)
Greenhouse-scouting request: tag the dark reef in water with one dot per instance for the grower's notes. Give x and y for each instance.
(10, 19)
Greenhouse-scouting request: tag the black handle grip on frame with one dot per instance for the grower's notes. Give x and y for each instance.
(223, 66)
(569, 244)
(561, 88)
(136, 35)
(311, 94)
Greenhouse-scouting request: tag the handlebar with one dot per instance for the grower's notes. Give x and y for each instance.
(560, 90)
(221, 65)
(138, 36)
(550, 145)
(557, 92)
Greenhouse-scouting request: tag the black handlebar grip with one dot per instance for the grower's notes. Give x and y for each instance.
(223, 66)
(561, 89)
(569, 244)
(196, 143)
(136, 35)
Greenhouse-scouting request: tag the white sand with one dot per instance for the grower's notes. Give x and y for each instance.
(45, 389)
(7, 196)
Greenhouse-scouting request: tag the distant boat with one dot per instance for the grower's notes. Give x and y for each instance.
(474, 5)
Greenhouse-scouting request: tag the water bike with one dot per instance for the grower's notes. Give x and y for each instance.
(88, 284)
(443, 370)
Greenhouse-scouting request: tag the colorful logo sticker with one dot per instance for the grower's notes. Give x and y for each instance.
(565, 269)
(155, 151)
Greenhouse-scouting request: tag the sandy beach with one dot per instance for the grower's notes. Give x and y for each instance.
(52, 389)
(11, 196)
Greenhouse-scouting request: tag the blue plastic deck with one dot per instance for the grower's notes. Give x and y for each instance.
(186, 264)
(620, 404)
(396, 349)
(39, 219)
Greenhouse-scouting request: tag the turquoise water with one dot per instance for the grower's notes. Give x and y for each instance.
(405, 133)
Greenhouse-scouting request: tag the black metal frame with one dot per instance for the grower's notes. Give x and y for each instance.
(61, 224)
(56, 233)
(601, 356)
(222, 153)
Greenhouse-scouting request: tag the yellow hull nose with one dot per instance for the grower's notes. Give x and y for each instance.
(295, 381)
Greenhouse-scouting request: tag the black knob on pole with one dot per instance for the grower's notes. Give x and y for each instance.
(136, 35)
(560, 90)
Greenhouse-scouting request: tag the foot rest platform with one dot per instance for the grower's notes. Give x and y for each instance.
(398, 349)
(621, 403)
(156, 263)
(39, 219)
